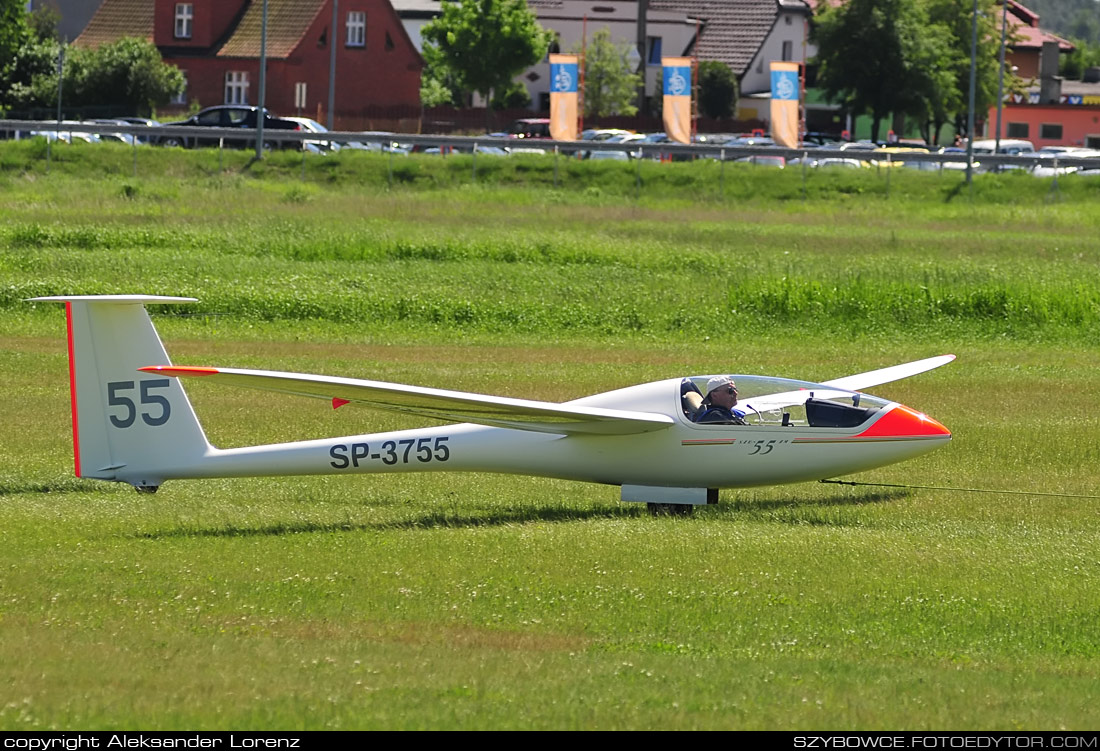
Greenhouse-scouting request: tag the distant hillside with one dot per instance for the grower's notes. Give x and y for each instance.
(1073, 19)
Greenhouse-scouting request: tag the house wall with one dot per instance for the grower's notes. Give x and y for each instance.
(1080, 124)
(789, 27)
(1025, 61)
(368, 79)
(620, 17)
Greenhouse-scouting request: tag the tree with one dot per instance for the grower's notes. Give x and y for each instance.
(128, 73)
(1083, 57)
(14, 32)
(908, 57)
(955, 26)
(480, 45)
(869, 55)
(717, 89)
(514, 97)
(610, 85)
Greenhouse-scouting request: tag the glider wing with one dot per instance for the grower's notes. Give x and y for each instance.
(437, 404)
(841, 387)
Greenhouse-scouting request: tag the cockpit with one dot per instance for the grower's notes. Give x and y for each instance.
(772, 401)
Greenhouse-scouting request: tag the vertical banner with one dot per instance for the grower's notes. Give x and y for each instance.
(677, 98)
(786, 90)
(563, 97)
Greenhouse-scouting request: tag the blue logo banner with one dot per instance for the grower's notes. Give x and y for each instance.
(677, 81)
(563, 77)
(785, 85)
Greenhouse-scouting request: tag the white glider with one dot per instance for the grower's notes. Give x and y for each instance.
(132, 422)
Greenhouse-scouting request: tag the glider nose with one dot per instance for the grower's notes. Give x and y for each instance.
(903, 422)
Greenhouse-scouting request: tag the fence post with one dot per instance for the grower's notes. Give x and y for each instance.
(474, 161)
(722, 173)
(805, 158)
(555, 166)
(889, 169)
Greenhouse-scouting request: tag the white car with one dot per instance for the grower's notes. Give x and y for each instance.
(312, 126)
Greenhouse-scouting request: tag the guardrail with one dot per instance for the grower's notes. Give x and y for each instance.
(156, 134)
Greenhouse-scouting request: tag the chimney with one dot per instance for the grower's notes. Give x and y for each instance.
(1050, 83)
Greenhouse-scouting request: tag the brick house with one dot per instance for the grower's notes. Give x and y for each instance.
(216, 43)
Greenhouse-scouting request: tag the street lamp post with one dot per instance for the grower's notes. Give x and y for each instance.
(1001, 79)
(970, 106)
(263, 82)
(330, 118)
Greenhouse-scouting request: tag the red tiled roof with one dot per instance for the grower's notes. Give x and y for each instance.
(733, 30)
(116, 19)
(287, 22)
(1024, 25)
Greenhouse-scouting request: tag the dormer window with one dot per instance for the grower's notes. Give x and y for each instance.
(357, 28)
(185, 14)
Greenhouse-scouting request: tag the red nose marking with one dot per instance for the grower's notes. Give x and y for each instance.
(902, 421)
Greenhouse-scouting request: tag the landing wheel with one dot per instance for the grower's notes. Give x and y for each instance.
(670, 509)
(150, 489)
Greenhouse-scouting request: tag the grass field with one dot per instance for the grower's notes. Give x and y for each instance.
(483, 601)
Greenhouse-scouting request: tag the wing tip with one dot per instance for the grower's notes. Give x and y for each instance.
(178, 371)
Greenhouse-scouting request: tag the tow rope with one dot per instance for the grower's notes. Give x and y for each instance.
(958, 490)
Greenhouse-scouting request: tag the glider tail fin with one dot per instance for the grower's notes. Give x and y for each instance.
(128, 426)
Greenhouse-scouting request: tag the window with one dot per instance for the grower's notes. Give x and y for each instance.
(180, 97)
(1017, 130)
(1092, 142)
(1051, 131)
(184, 15)
(653, 45)
(788, 50)
(236, 87)
(357, 28)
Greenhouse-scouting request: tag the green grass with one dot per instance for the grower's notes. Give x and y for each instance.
(483, 601)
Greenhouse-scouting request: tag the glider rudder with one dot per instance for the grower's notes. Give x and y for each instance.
(128, 426)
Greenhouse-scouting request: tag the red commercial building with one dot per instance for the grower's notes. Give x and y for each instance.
(216, 43)
(1053, 111)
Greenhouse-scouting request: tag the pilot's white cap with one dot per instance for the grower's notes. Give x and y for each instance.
(719, 381)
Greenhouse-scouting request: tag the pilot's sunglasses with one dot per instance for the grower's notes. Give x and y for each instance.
(731, 391)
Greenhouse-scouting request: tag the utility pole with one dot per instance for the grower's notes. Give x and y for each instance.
(263, 82)
(970, 106)
(1001, 79)
(643, 10)
(330, 119)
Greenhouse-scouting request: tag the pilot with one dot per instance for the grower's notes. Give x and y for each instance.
(718, 404)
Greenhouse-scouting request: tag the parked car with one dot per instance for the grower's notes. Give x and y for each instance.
(1050, 154)
(1007, 146)
(148, 122)
(765, 160)
(530, 127)
(229, 116)
(311, 125)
